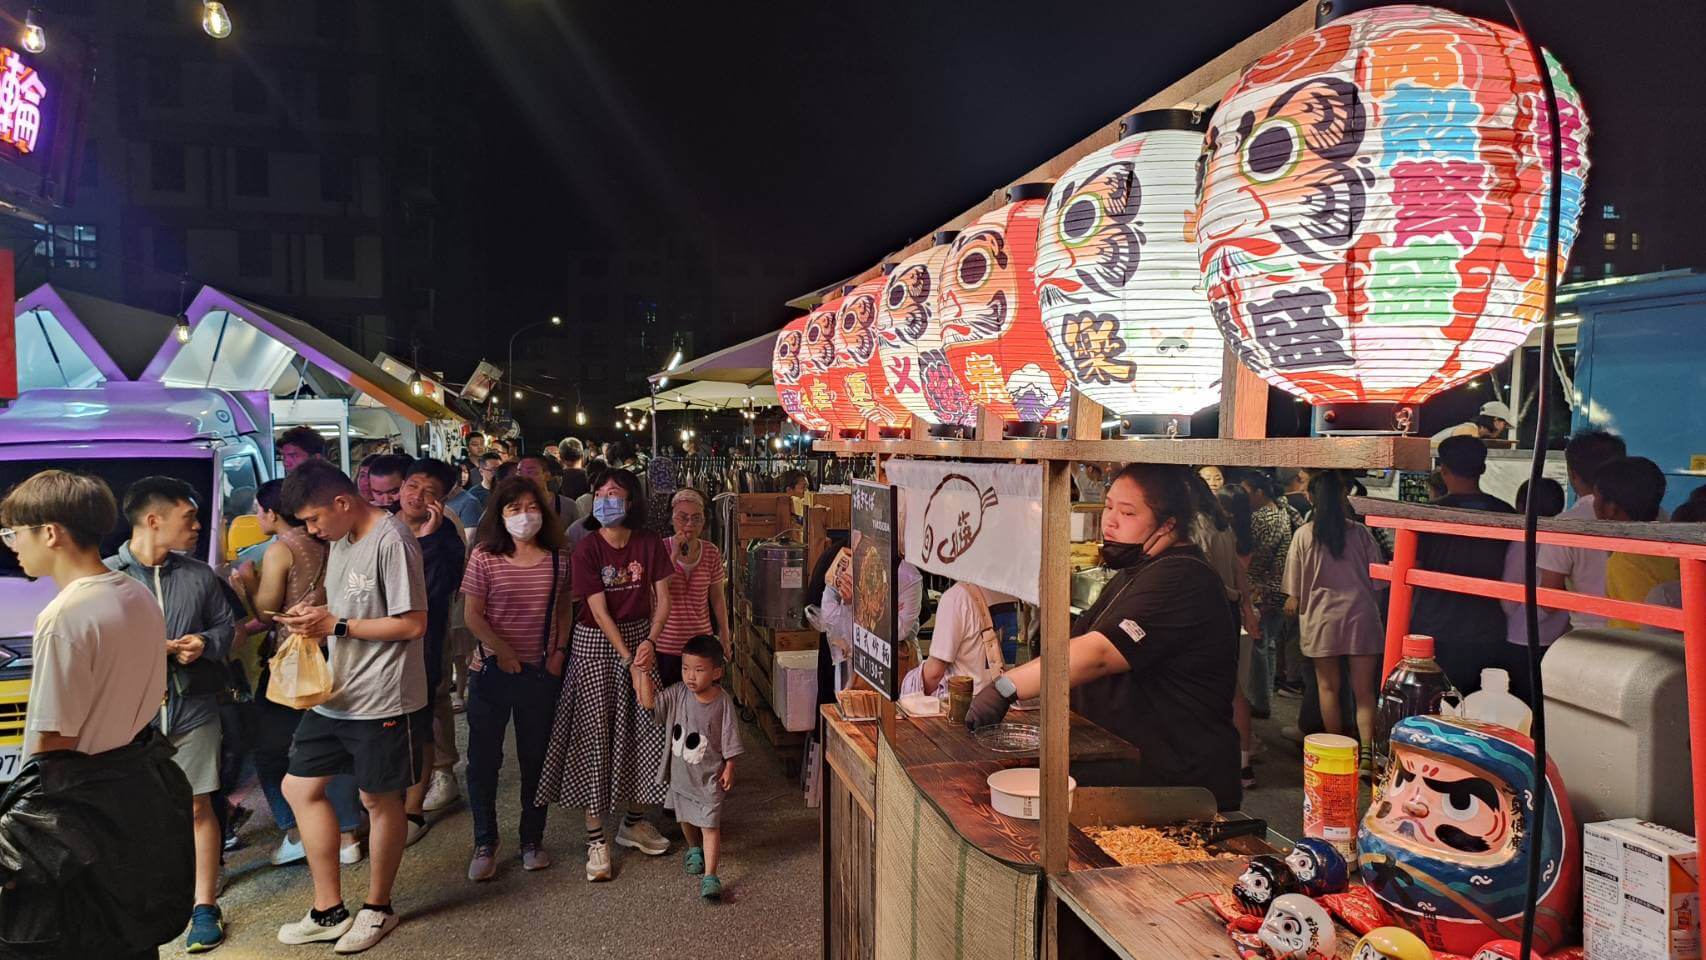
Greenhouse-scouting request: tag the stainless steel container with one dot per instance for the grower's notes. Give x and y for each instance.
(776, 583)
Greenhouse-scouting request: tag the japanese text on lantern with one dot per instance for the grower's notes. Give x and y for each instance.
(21, 94)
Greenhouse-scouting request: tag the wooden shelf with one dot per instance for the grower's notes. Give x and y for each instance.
(1369, 453)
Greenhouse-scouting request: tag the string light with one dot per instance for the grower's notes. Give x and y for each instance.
(33, 38)
(215, 19)
(416, 387)
(181, 329)
(580, 418)
(556, 409)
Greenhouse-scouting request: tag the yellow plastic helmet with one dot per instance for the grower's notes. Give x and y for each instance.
(1391, 943)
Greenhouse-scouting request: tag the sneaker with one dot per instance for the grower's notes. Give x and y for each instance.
(643, 837)
(484, 865)
(416, 831)
(598, 861)
(1247, 777)
(239, 816)
(1292, 732)
(1291, 691)
(367, 929)
(307, 931)
(351, 855)
(695, 861)
(442, 792)
(710, 887)
(1365, 761)
(207, 929)
(534, 857)
(289, 851)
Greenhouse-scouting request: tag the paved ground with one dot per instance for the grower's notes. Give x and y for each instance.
(652, 909)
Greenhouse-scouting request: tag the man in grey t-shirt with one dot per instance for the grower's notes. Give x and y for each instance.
(375, 724)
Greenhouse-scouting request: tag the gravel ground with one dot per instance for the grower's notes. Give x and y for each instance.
(770, 871)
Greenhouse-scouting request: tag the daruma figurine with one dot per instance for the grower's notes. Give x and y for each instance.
(1502, 950)
(1443, 846)
(1391, 943)
(1265, 878)
(1319, 867)
(1297, 928)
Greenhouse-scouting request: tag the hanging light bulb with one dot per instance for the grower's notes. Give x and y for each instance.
(556, 409)
(580, 418)
(416, 387)
(33, 39)
(556, 321)
(215, 19)
(518, 394)
(181, 329)
(775, 443)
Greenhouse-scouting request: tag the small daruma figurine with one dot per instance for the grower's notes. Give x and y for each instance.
(1297, 928)
(1319, 867)
(1502, 950)
(1443, 847)
(1391, 943)
(1265, 878)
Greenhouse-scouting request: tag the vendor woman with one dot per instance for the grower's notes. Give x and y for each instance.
(1155, 659)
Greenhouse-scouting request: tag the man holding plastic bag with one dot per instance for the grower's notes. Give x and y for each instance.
(374, 724)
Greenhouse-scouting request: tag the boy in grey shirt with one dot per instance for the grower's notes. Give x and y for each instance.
(375, 724)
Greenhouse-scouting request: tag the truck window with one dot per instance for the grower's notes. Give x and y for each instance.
(119, 474)
(239, 483)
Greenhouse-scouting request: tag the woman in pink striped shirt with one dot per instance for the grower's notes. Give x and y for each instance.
(697, 594)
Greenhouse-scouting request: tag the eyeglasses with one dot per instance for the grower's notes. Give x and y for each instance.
(9, 535)
(689, 518)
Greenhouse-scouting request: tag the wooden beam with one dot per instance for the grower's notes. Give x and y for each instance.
(1243, 400)
(989, 426)
(1055, 596)
(1332, 453)
(1084, 422)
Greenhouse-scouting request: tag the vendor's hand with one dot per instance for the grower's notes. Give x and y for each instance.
(309, 621)
(1291, 606)
(645, 655)
(726, 779)
(187, 649)
(989, 706)
(844, 582)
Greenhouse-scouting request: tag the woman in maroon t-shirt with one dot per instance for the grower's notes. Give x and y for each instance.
(605, 752)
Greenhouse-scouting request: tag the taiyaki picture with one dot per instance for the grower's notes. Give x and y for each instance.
(949, 531)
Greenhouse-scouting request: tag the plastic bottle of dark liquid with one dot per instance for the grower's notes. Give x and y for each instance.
(1416, 687)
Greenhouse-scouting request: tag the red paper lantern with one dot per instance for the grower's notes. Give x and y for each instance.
(991, 322)
(787, 366)
(823, 391)
(857, 373)
(911, 347)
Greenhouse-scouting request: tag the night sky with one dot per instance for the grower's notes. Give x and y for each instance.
(814, 138)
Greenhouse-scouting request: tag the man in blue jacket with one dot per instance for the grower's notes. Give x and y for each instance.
(164, 529)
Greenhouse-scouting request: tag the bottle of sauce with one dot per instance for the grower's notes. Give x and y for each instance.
(1416, 687)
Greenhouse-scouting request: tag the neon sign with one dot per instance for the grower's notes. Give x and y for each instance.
(21, 94)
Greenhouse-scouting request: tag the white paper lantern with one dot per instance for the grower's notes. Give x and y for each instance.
(909, 331)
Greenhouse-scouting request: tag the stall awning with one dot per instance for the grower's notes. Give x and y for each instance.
(70, 339)
(238, 345)
(747, 363)
(707, 395)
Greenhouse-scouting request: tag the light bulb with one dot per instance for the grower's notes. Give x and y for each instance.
(182, 330)
(215, 20)
(684, 435)
(556, 321)
(415, 386)
(775, 443)
(518, 394)
(580, 418)
(556, 409)
(675, 360)
(34, 39)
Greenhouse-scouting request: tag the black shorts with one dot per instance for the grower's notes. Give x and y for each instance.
(384, 755)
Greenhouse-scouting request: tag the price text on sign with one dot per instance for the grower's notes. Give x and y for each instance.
(876, 561)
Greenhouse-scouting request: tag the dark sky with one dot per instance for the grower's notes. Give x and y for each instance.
(814, 137)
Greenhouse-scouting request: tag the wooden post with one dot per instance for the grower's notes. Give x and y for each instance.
(1398, 603)
(1055, 596)
(1084, 421)
(920, 428)
(989, 426)
(1243, 400)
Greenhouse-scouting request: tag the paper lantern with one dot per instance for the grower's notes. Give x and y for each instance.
(1373, 212)
(991, 323)
(822, 392)
(786, 367)
(857, 372)
(1119, 279)
(910, 335)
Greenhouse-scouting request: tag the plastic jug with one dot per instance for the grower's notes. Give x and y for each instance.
(1416, 687)
(1495, 704)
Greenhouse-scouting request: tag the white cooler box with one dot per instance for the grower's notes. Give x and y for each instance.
(793, 689)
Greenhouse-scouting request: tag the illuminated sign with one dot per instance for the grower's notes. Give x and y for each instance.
(21, 94)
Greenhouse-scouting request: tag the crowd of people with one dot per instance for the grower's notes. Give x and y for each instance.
(526, 590)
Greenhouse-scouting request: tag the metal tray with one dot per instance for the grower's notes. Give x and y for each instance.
(1009, 738)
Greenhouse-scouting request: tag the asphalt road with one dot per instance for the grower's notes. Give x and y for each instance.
(770, 872)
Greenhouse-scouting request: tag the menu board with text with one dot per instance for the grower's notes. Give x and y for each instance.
(875, 590)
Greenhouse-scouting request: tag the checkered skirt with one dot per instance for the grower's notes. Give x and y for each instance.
(605, 752)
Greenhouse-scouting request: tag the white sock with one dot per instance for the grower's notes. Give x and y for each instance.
(1243, 758)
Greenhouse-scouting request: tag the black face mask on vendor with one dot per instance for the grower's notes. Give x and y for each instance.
(1118, 556)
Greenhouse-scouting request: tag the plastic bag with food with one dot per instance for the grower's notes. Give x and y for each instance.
(299, 675)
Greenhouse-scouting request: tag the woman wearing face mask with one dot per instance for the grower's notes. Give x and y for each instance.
(1155, 658)
(605, 751)
(516, 590)
(696, 593)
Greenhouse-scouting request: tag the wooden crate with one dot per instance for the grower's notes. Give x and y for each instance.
(781, 641)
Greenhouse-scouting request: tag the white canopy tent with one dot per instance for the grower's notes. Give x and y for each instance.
(706, 395)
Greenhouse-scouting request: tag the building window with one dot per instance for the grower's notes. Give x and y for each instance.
(1608, 269)
(1634, 241)
(337, 256)
(1609, 212)
(329, 19)
(165, 82)
(1577, 271)
(89, 174)
(170, 253)
(254, 253)
(337, 178)
(1611, 240)
(166, 167)
(248, 90)
(334, 95)
(252, 179)
(71, 246)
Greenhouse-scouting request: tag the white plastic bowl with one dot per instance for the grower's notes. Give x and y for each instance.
(1017, 792)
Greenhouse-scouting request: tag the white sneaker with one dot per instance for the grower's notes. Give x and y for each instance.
(598, 861)
(443, 791)
(643, 837)
(307, 931)
(351, 855)
(288, 852)
(369, 927)
(416, 831)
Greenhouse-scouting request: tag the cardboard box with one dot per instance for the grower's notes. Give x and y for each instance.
(1640, 892)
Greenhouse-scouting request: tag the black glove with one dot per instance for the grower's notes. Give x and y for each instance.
(989, 706)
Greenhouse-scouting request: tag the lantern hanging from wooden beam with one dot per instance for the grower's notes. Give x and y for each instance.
(786, 367)
(992, 329)
(858, 365)
(1373, 210)
(821, 389)
(910, 340)
(1119, 279)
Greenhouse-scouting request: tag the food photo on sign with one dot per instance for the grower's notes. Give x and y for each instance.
(875, 599)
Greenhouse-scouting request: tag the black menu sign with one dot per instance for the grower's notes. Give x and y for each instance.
(875, 592)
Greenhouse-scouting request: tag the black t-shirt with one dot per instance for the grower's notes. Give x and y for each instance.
(1169, 618)
(1458, 618)
(574, 483)
(1300, 502)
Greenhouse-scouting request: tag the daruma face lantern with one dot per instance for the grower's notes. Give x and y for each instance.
(858, 366)
(1373, 213)
(1119, 280)
(820, 386)
(787, 366)
(910, 344)
(992, 331)
(1443, 846)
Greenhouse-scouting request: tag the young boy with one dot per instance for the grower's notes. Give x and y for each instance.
(704, 740)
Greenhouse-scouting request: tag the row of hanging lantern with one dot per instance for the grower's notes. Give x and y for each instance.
(1362, 219)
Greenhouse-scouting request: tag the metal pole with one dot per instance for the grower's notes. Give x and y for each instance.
(653, 391)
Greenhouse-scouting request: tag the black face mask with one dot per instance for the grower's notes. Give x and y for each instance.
(1118, 556)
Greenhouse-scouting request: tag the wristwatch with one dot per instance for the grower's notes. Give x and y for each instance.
(342, 629)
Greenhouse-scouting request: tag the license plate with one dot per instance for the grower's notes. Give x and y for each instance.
(11, 761)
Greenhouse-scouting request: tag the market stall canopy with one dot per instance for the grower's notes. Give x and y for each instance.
(69, 339)
(707, 395)
(238, 345)
(746, 363)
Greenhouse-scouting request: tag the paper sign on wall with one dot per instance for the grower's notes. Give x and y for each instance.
(980, 522)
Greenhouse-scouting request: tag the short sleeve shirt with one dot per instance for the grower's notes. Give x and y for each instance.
(1456, 618)
(701, 736)
(689, 596)
(517, 598)
(958, 635)
(375, 577)
(1583, 569)
(100, 663)
(623, 574)
(1169, 618)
